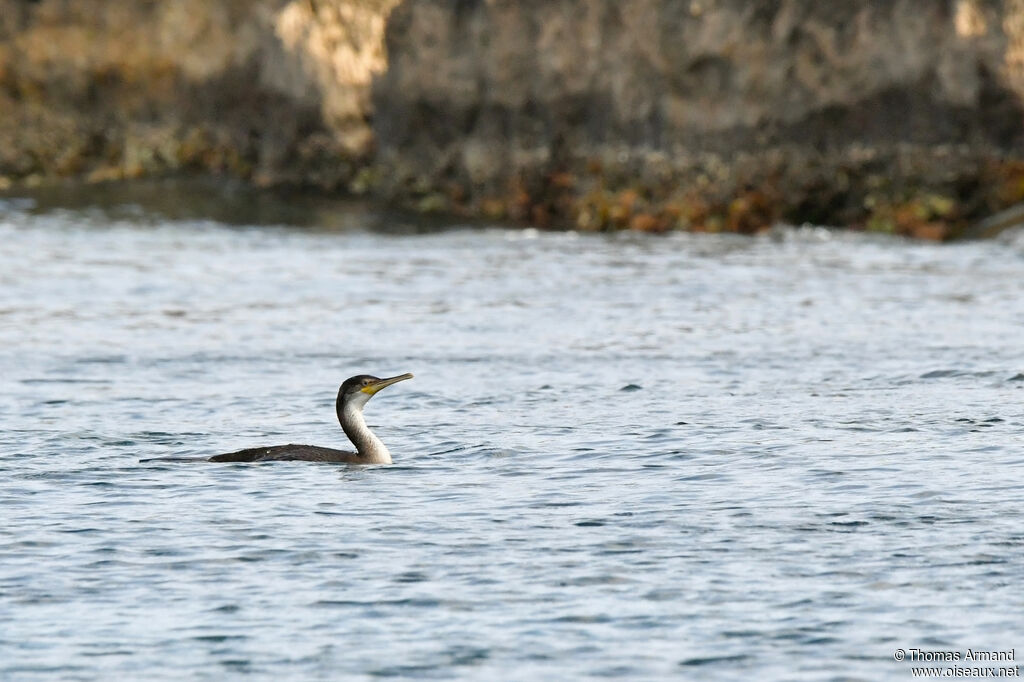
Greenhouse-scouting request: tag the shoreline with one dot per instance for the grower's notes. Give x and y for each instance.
(724, 116)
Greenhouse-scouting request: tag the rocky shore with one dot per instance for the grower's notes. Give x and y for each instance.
(902, 116)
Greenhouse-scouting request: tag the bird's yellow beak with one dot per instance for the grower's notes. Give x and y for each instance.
(384, 383)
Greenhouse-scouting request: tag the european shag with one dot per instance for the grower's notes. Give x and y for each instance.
(352, 396)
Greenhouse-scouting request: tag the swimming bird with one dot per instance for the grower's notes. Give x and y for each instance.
(352, 396)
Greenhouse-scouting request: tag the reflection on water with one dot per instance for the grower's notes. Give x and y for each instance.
(622, 456)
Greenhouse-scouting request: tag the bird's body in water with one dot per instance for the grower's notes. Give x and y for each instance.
(352, 396)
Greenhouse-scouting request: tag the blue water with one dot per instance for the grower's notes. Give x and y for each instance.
(633, 457)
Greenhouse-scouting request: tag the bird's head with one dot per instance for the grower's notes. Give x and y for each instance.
(359, 389)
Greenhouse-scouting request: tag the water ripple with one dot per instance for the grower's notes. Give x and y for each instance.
(622, 457)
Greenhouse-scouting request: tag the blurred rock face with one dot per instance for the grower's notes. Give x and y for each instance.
(899, 115)
(271, 91)
(708, 108)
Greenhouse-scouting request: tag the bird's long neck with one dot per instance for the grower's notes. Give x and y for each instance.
(369, 447)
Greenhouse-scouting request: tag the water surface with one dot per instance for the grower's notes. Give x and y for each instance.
(633, 457)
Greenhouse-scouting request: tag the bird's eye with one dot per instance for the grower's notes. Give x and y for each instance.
(366, 382)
